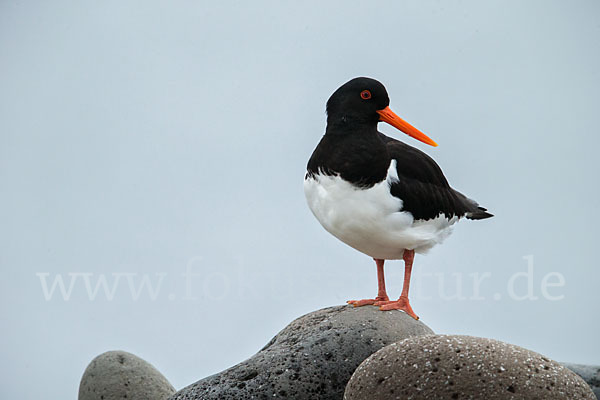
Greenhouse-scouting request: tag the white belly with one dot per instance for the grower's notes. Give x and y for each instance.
(368, 219)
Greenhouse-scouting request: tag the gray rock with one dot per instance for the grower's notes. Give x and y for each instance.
(119, 375)
(589, 373)
(462, 367)
(312, 358)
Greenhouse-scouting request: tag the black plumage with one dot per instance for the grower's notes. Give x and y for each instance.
(353, 149)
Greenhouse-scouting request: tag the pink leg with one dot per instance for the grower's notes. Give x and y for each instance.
(402, 303)
(381, 294)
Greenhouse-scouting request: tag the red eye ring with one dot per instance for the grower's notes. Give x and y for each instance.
(365, 95)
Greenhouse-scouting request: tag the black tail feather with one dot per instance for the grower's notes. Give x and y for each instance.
(480, 213)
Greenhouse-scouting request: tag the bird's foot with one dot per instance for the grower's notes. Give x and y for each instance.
(369, 302)
(400, 304)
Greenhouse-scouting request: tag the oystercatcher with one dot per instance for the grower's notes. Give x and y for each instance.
(378, 195)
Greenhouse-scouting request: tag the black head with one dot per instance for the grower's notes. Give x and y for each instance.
(359, 104)
(357, 101)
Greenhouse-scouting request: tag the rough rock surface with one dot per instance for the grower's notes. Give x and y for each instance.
(589, 373)
(121, 375)
(312, 358)
(462, 367)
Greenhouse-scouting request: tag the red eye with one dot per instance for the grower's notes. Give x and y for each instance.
(365, 95)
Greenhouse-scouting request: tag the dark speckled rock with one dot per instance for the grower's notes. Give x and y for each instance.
(462, 367)
(312, 358)
(589, 373)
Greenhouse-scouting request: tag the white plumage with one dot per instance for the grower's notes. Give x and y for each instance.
(369, 219)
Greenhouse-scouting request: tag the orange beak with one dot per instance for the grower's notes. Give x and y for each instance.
(387, 115)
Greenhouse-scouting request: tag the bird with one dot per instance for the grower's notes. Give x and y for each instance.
(377, 194)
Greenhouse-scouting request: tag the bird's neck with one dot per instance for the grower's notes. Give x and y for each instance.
(357, 155)
(347, 124)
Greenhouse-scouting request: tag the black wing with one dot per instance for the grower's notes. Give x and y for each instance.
(423, 188)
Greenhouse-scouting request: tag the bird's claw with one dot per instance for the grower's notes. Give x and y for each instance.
(400, 304)
(369, 302)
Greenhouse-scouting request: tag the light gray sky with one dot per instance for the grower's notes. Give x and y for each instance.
(147, 139)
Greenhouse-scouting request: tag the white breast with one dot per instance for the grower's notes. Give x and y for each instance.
(369, 219)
